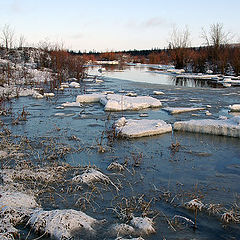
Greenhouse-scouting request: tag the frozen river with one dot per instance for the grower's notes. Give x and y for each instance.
(204, 166)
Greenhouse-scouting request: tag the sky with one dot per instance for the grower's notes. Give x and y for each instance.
(110, 25)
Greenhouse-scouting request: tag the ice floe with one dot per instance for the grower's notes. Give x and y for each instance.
(226, 127)
(61, 224)
(140, 128)
(89, 98)
(177, 110)
(49, 95)
(74, 85)
(117, 102)
(71, 104)
(234, 107)
(158, 93)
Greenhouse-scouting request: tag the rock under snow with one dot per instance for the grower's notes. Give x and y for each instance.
(177, 110)
(61, 224)
(140, 128)
(234, 107)
(226, 127)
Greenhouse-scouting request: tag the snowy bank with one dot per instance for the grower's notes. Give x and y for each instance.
(177, 110)
(226, 127)
(140, 128)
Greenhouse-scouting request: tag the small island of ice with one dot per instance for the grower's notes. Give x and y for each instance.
(141, 128)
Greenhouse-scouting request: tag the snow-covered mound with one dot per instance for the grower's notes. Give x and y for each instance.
(140, 128)
(234, 107)
(89, 98)
(61, 224)
(226, 127)
(117, 102)
(177, 110)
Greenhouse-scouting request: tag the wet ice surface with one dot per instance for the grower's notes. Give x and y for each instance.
(206, 165)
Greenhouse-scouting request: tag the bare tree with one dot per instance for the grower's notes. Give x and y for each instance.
(21, 41)
(179, 44)
(216, 36)
(180, 38)
(7, 36)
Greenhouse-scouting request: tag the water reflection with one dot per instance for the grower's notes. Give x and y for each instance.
(147, 74)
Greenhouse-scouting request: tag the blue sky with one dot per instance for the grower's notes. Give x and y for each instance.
(116, 25)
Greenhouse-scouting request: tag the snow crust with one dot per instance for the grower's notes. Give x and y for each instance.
(61, 224)
(139, 128)
(177, 110)
(226, 127)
